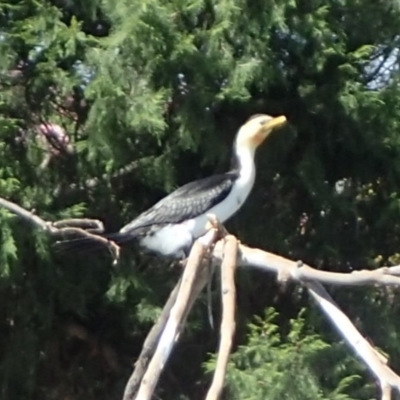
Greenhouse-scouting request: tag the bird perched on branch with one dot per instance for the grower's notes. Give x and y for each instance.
(172, 225)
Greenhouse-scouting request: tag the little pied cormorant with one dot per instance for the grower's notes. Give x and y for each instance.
(172, 225)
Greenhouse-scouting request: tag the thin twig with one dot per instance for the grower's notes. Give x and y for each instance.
(92, 225)
(204, 275)
(111, 245)
(73, 226)
(26, 215)
(228, 294)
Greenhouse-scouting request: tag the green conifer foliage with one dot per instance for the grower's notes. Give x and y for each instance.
(149, 95)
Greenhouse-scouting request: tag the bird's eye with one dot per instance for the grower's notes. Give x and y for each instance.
(263, 121)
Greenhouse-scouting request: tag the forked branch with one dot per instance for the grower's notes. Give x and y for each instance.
(194, 279)
(289, 270)
(176, 317)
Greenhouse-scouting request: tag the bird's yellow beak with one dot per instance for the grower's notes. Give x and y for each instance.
(273, 123)
(266, 128)
(257, 129)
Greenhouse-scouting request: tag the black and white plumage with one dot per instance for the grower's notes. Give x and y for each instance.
(171, 225)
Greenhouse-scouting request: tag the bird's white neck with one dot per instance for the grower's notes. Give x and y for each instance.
(245, 163)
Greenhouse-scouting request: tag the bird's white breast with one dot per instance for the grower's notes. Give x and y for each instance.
(170, 240)
(224, 210)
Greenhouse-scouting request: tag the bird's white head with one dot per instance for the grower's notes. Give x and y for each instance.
(256, 130)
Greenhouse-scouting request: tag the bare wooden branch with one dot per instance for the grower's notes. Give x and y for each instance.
(250, 257)
(213, 222)
(90, 225)
(386, 392)
(228, 294)
(111, 245)
(26, 215)
(53, 227)
(177, 315)
(395, 270)
(75, 226)
(349, 332)
(149, 347)
(312, 278)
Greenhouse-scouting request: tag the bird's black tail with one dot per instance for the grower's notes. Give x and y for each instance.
(87, 244)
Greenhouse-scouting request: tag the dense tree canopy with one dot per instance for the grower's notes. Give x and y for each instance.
(107, 106)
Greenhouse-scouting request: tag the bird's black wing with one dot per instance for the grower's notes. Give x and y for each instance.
(188, 201)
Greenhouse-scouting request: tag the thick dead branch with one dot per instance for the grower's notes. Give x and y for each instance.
(177, 315)
(312, 278)
(228, 294)
(288, 269)
(149, 347)
(386, 392)
(349, 332)
(395, 270)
